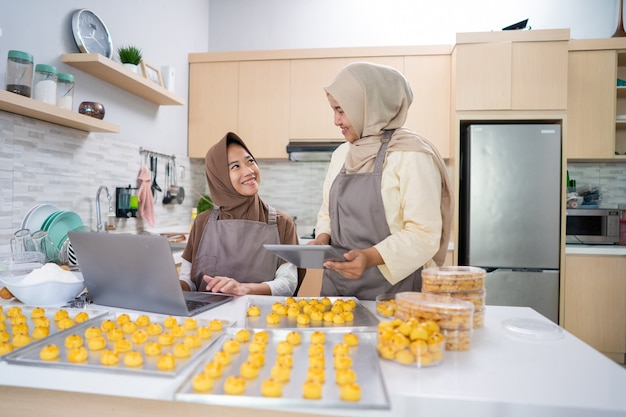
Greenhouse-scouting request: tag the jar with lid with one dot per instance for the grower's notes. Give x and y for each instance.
(65, 90)
(45, 84)
(19, 76)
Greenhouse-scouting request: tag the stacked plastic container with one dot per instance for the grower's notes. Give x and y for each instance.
(463, 282)
(452, 315)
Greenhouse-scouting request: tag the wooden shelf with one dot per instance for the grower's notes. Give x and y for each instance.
(621, 92)
(114, 73)
(29, 107)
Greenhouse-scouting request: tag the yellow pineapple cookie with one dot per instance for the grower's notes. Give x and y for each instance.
(316, 374)
(109, 358)
(21, 319)
(222, 357)
(81, 317)
(341, 349)
(311, 390)
(152, 349)
(139, 336)
(254, 311)
(133, 359)
(142, 320)
(350, 392)
(192, 341)
(216, 325)
(166, 339)
(4, 336)
(271, 388)
(154, 329)
(281, 373)
(284, 347)
(49, 353)
(129, 327)
(15, 311)
(303, 319)
(242, 336)
(272, 319)
(123, 345)
(231, 346)
(96, 343)
(318, 337)
(122, 319)
(345, 376)
(40, 332)
(115, 335)
(261, 336)
(181, 350)
(5, 347)
(295, 338)
(204, 332)
(77, 355)
(92, 331)
(73, 341)
(19, 328)
(234, 385)
(170, 322)
(257, 347)
(107, 325)
(65, 323)
(166, 362)
(190, 323)
(257, 358)
(317, 315)
(21, 339)
(351, 339)
(41, 322)
(285, 359)
(202, 382)
(213, 369)
(249, 370)
(37, 312)
(178, 331)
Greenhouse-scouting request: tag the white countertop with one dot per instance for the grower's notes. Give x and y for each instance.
(576, 249)
(499, 376)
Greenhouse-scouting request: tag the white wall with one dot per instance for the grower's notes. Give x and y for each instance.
(287, 24)
(166, 31)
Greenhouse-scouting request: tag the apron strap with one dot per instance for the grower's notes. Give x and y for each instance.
(380, 157)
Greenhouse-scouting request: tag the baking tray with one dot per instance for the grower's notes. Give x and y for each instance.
(364, 319)
(364, 362)
(49, 313)
(30, 354)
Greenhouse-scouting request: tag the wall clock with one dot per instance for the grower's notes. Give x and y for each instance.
(91, 34)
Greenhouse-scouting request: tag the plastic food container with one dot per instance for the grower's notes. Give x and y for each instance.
(449, 313)
(457, 340)
(19, 77)
(65, 90)
(411, 342)
(453, 278)
(475, 297)
(386, 305)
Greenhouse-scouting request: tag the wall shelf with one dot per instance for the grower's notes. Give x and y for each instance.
(114, 73)
(25, 106)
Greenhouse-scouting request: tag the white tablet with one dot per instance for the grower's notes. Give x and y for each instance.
(307, 256)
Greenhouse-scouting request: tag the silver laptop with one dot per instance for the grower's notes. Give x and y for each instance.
(307, 256)
(136, 272)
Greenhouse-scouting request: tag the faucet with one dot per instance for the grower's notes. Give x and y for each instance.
(98, 214)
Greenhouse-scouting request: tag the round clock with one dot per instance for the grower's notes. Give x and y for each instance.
(91, 34)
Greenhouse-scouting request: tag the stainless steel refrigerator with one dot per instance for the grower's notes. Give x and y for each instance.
(509, 211)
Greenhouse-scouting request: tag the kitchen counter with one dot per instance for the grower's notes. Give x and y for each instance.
(498, 376)
(577, 249)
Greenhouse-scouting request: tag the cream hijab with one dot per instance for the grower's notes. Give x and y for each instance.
(376, 98)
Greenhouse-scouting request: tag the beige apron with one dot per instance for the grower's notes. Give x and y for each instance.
(234, 248)
(358, 221)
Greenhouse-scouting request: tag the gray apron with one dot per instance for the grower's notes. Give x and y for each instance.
(358, 221)
(234, 248)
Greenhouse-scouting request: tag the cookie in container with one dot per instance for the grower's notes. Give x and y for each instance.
(411, 342)
(448, 312)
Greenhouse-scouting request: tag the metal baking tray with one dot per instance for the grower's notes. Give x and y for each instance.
(365, 364)
(49, 313)
(364, 319)
(30, 354)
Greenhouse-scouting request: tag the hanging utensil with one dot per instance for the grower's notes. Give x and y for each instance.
(179, 191)
(167, 197)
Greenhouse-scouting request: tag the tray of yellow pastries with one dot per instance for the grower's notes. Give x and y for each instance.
(130, 343)
(263, 312)
(23, 325)
(335, 368)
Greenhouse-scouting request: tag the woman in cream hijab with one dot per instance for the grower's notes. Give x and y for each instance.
(387, 197)
(225, 251)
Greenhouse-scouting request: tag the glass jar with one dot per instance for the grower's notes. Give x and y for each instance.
(65, 90)
(19, 76)
(45, 84)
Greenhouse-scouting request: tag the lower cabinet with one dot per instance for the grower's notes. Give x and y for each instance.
(595, 302)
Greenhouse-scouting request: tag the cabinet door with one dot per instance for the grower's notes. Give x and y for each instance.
(483, 76)
(212, 104)
(263, 116)
(429, 115)
(539, 76)
(591, 104)
(595, 301)
(311, 116)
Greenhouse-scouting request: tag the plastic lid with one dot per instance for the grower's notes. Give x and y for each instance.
(45, 68)
(62, 76)
(456, 272)
(428, 301)
(21, 55)
(532, 329)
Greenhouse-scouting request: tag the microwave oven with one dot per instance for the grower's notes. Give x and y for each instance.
(592, 226)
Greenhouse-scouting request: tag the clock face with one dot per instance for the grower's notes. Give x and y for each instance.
(91, 34)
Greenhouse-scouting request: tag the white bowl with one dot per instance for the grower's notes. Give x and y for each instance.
(46, 293)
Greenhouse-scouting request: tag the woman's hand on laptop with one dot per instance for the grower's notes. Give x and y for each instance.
(225, 285)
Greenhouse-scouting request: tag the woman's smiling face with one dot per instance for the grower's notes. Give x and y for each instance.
(244, 172)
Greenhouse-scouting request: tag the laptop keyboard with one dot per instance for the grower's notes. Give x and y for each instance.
(193, 304)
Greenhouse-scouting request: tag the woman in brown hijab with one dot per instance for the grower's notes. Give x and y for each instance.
(225, 251)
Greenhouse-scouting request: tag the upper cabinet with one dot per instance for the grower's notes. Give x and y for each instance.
(596, 108)
(511, 70)
(272, 97)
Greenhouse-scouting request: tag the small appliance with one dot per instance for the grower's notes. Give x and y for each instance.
(593, 226)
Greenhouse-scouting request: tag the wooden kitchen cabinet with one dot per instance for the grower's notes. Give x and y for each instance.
(213, 104)
(512, 71)
(595, 302)
(311, 117)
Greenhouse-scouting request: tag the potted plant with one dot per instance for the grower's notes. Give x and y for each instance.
(130, 57)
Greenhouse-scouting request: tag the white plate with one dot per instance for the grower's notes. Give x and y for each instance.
(37, 215)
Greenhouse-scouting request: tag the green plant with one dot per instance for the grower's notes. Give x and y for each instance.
(129, 55)
(205, 203)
